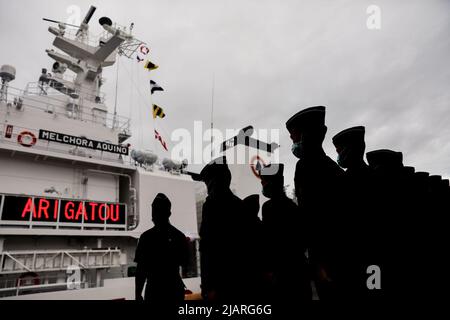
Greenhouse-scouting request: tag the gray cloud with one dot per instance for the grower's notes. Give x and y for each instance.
(271, 59)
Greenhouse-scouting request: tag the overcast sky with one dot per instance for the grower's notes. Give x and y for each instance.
(270, 60)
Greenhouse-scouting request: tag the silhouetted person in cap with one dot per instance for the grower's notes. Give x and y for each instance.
(435, 219)
(358, 202)
(160, 253)
(284, 234)
(397, 224)
(317, 187)
(224, 263)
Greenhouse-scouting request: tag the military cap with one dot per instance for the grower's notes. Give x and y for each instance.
(215, 167)
(435, 178)
(409, 170)
(435, 182)
(162, 201)
(384, 157)
(354, 135)
(308, 118)
(423, 175)
(272, 171)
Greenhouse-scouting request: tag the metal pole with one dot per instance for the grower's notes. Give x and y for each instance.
(212, 113)
(117, 90)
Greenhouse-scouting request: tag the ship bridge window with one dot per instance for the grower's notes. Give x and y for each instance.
(72, 110)
(99, 116)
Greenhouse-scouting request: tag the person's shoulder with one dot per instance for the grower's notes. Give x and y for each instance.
(299, 164)
(266, 210)
(289, 202)
(332, 165)
(178, 233)
(207, 204)
(235, 198)
(147, 234)
(266, 205)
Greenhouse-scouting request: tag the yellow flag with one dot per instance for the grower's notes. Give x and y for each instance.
(158, 112)
(150, 65)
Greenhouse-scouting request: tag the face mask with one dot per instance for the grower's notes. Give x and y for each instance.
(342, 158)
(297, 149)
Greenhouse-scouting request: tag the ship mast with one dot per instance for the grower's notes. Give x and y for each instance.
(87, 60)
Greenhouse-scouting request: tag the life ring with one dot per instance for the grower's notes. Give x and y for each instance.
(253, 165)
(26, 139)
(144, 50)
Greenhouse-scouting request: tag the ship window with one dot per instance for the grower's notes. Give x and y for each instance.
(72, 110)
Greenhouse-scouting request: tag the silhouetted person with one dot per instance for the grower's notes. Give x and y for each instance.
(317, 189)
(222, 237)
(160, 253)
(395, 222)
(360, 235)
(436, 220)
(254, 247)
(251, 206)
(284, 234)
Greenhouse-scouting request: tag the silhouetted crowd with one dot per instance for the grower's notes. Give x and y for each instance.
(359, 231)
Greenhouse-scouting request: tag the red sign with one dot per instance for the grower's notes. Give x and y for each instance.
(20, 208)
(8, 131)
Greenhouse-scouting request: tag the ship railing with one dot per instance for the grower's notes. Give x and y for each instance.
(27, 264)
(16, 287)
(57, 105)
(49, 89)
(23, 262)
(92, 39)
(63, 149)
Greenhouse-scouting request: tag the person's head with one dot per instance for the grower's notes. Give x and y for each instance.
(272, 180)
(385, 160)
(161, 209)
(251, 204)
(350, 147)
(307, 130)
(216, 175)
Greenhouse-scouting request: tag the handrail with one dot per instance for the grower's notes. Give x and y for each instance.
(50, 104)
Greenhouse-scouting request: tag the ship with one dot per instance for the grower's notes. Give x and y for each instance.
(74, 196)
(74, 199)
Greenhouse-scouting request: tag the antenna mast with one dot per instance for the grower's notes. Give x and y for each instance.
(212, 113)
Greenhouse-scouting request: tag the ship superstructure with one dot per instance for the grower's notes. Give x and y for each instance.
(73, 199)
